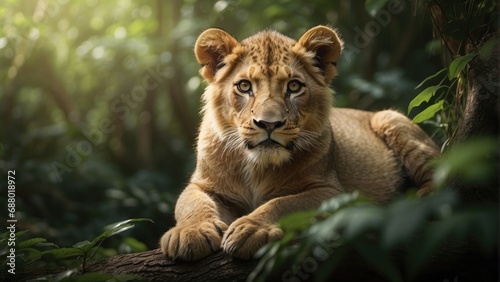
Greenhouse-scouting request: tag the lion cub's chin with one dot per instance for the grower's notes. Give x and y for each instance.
(266, 155)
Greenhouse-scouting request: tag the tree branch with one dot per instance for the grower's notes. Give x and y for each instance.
(454, 260)
(153, 266)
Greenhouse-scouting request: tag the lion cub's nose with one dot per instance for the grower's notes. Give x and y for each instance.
(268, 126)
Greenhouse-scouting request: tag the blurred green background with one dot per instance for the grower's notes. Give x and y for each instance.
(100, 100)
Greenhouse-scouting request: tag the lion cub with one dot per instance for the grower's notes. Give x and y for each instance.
(270, 143)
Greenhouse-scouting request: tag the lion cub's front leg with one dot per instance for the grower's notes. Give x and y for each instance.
(249, 233)
(199, 229)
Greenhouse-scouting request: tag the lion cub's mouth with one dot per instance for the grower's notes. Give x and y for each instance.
(268, 143)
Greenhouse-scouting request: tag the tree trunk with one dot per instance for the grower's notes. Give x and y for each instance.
(482, 108)
(480, 119)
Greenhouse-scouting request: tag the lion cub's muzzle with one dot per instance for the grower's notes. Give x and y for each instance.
(269, 127)
(268, 138)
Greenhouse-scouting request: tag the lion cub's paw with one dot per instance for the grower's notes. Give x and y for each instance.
(245, 236)
(193, 241)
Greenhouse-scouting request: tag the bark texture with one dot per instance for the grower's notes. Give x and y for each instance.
(481, 118)
(153, 266)
(454, 261)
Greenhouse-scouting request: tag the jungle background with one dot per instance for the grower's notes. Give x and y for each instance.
(100, 100)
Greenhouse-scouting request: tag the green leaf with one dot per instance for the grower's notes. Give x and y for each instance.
(431, 77)
(429, 112)
(84, 245)
(350, 222)
(424, 96)
(127, 222)
(270, 254)
(6, 235)
(46, 245)
(28, 255)
(31, 242)
(471, 161)
(62, 253)
(403, 219)
(111, 232)
(340, 201)
(457, 65)
(297, 221)
(372, 7)
(361, 219)
(117, 228)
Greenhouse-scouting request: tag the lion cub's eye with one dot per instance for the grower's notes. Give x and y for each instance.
(244, 86)
(294, 86)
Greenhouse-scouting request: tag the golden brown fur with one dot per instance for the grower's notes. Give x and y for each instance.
(271, 144)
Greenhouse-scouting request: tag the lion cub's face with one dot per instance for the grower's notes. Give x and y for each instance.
(268, 95)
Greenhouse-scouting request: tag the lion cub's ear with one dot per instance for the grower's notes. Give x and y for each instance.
(326, 44)
(210, 49)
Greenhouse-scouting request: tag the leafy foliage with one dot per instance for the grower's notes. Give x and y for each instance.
(466, 34)
(349, 222)
(454, 74)
(36, 254)
(473, 162)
